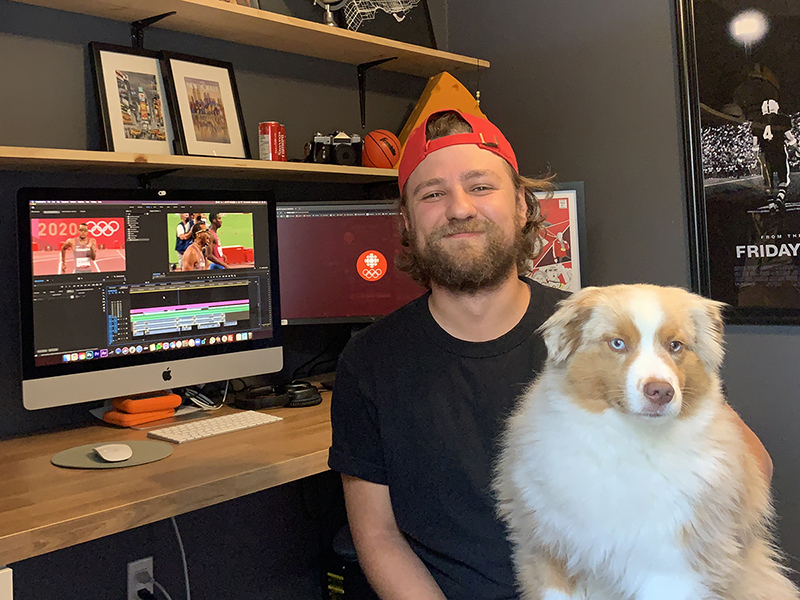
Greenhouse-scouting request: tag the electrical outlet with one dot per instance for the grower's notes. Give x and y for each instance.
(140, 576)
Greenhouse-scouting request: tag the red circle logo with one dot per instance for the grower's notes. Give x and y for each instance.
(371, 265)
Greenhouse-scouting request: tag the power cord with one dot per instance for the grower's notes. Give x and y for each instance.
(183, 555)
(162, 590)
(146, 594)
(201, 400)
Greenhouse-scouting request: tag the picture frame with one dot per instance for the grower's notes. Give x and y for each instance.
(204, 101)
(740, 99)
(563, 237)
(130, 96)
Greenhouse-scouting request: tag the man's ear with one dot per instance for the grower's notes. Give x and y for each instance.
(522, 207)
(404, 214)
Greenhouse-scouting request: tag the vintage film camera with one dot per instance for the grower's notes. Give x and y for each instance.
(336, 148)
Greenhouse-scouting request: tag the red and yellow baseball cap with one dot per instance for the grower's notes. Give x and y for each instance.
(484, 134)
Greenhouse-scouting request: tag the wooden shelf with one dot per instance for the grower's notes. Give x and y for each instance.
(245, 25)
(14, 158)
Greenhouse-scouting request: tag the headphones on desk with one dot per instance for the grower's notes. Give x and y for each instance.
(296, 394)
(301, 393)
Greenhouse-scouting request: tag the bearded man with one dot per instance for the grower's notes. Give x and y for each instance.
(420, 396)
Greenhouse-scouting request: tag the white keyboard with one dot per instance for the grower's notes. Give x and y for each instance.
(203, 428)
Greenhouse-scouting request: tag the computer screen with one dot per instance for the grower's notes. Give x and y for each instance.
(337, 262)
(114, 301)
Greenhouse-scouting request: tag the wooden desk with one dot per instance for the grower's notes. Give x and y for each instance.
(45, 508)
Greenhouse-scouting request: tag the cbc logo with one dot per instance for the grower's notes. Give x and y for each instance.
(371, 265)
(102, 228)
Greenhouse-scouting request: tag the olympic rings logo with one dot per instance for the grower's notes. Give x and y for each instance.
(103, 228)
(371, 265)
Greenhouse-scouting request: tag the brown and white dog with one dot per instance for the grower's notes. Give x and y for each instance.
(622, 473)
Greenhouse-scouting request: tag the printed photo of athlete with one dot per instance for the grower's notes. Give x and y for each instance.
(772, 134)
(84, 251)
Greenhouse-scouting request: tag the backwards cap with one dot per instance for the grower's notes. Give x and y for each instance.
(484, 134)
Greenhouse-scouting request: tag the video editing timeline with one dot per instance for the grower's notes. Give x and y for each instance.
(193, 308)
(186, 317)
(134, 300)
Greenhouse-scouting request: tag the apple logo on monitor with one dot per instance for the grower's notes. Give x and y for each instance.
(166, 375)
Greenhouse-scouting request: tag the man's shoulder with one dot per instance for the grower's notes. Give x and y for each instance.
(545, 299)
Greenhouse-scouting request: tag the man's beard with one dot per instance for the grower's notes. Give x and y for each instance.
(467, 269)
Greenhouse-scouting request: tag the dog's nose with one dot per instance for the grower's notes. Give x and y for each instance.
(658, 392)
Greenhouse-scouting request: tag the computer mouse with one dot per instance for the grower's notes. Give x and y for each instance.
(114, 452)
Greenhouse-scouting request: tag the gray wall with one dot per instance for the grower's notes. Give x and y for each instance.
(589, 91)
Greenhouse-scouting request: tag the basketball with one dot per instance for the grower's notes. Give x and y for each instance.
(381, 149)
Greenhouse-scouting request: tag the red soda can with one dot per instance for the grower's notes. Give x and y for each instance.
(282, 144)
(268, 140)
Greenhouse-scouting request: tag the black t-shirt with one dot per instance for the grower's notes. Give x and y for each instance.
(421, 411)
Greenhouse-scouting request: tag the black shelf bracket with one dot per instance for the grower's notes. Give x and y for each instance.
(138, 27)
(145, 179)
(362, 86)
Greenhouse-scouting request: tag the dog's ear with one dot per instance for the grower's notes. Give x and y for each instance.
(708, 331)
(562, 331)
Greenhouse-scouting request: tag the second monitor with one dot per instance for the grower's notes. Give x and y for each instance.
(337, 262)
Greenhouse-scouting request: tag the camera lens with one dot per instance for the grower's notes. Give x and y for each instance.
(344, 155)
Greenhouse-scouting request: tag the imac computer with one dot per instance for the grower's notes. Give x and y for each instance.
(109, 308)
(337, 262)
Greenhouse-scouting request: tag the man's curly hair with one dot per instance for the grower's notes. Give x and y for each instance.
(449, 123)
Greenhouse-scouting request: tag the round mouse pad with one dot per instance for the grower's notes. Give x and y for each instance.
(84, 457)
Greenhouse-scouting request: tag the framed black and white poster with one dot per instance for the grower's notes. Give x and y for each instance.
(740, 81)
(130, 96)
(205, 104)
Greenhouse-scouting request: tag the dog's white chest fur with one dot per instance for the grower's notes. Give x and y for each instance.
(611, 495)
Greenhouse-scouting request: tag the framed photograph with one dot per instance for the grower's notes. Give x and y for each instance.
(205, 103)
(563, 237)
(740, 82)
(130, 94)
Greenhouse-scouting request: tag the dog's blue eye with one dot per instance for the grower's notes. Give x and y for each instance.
(617, 344)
